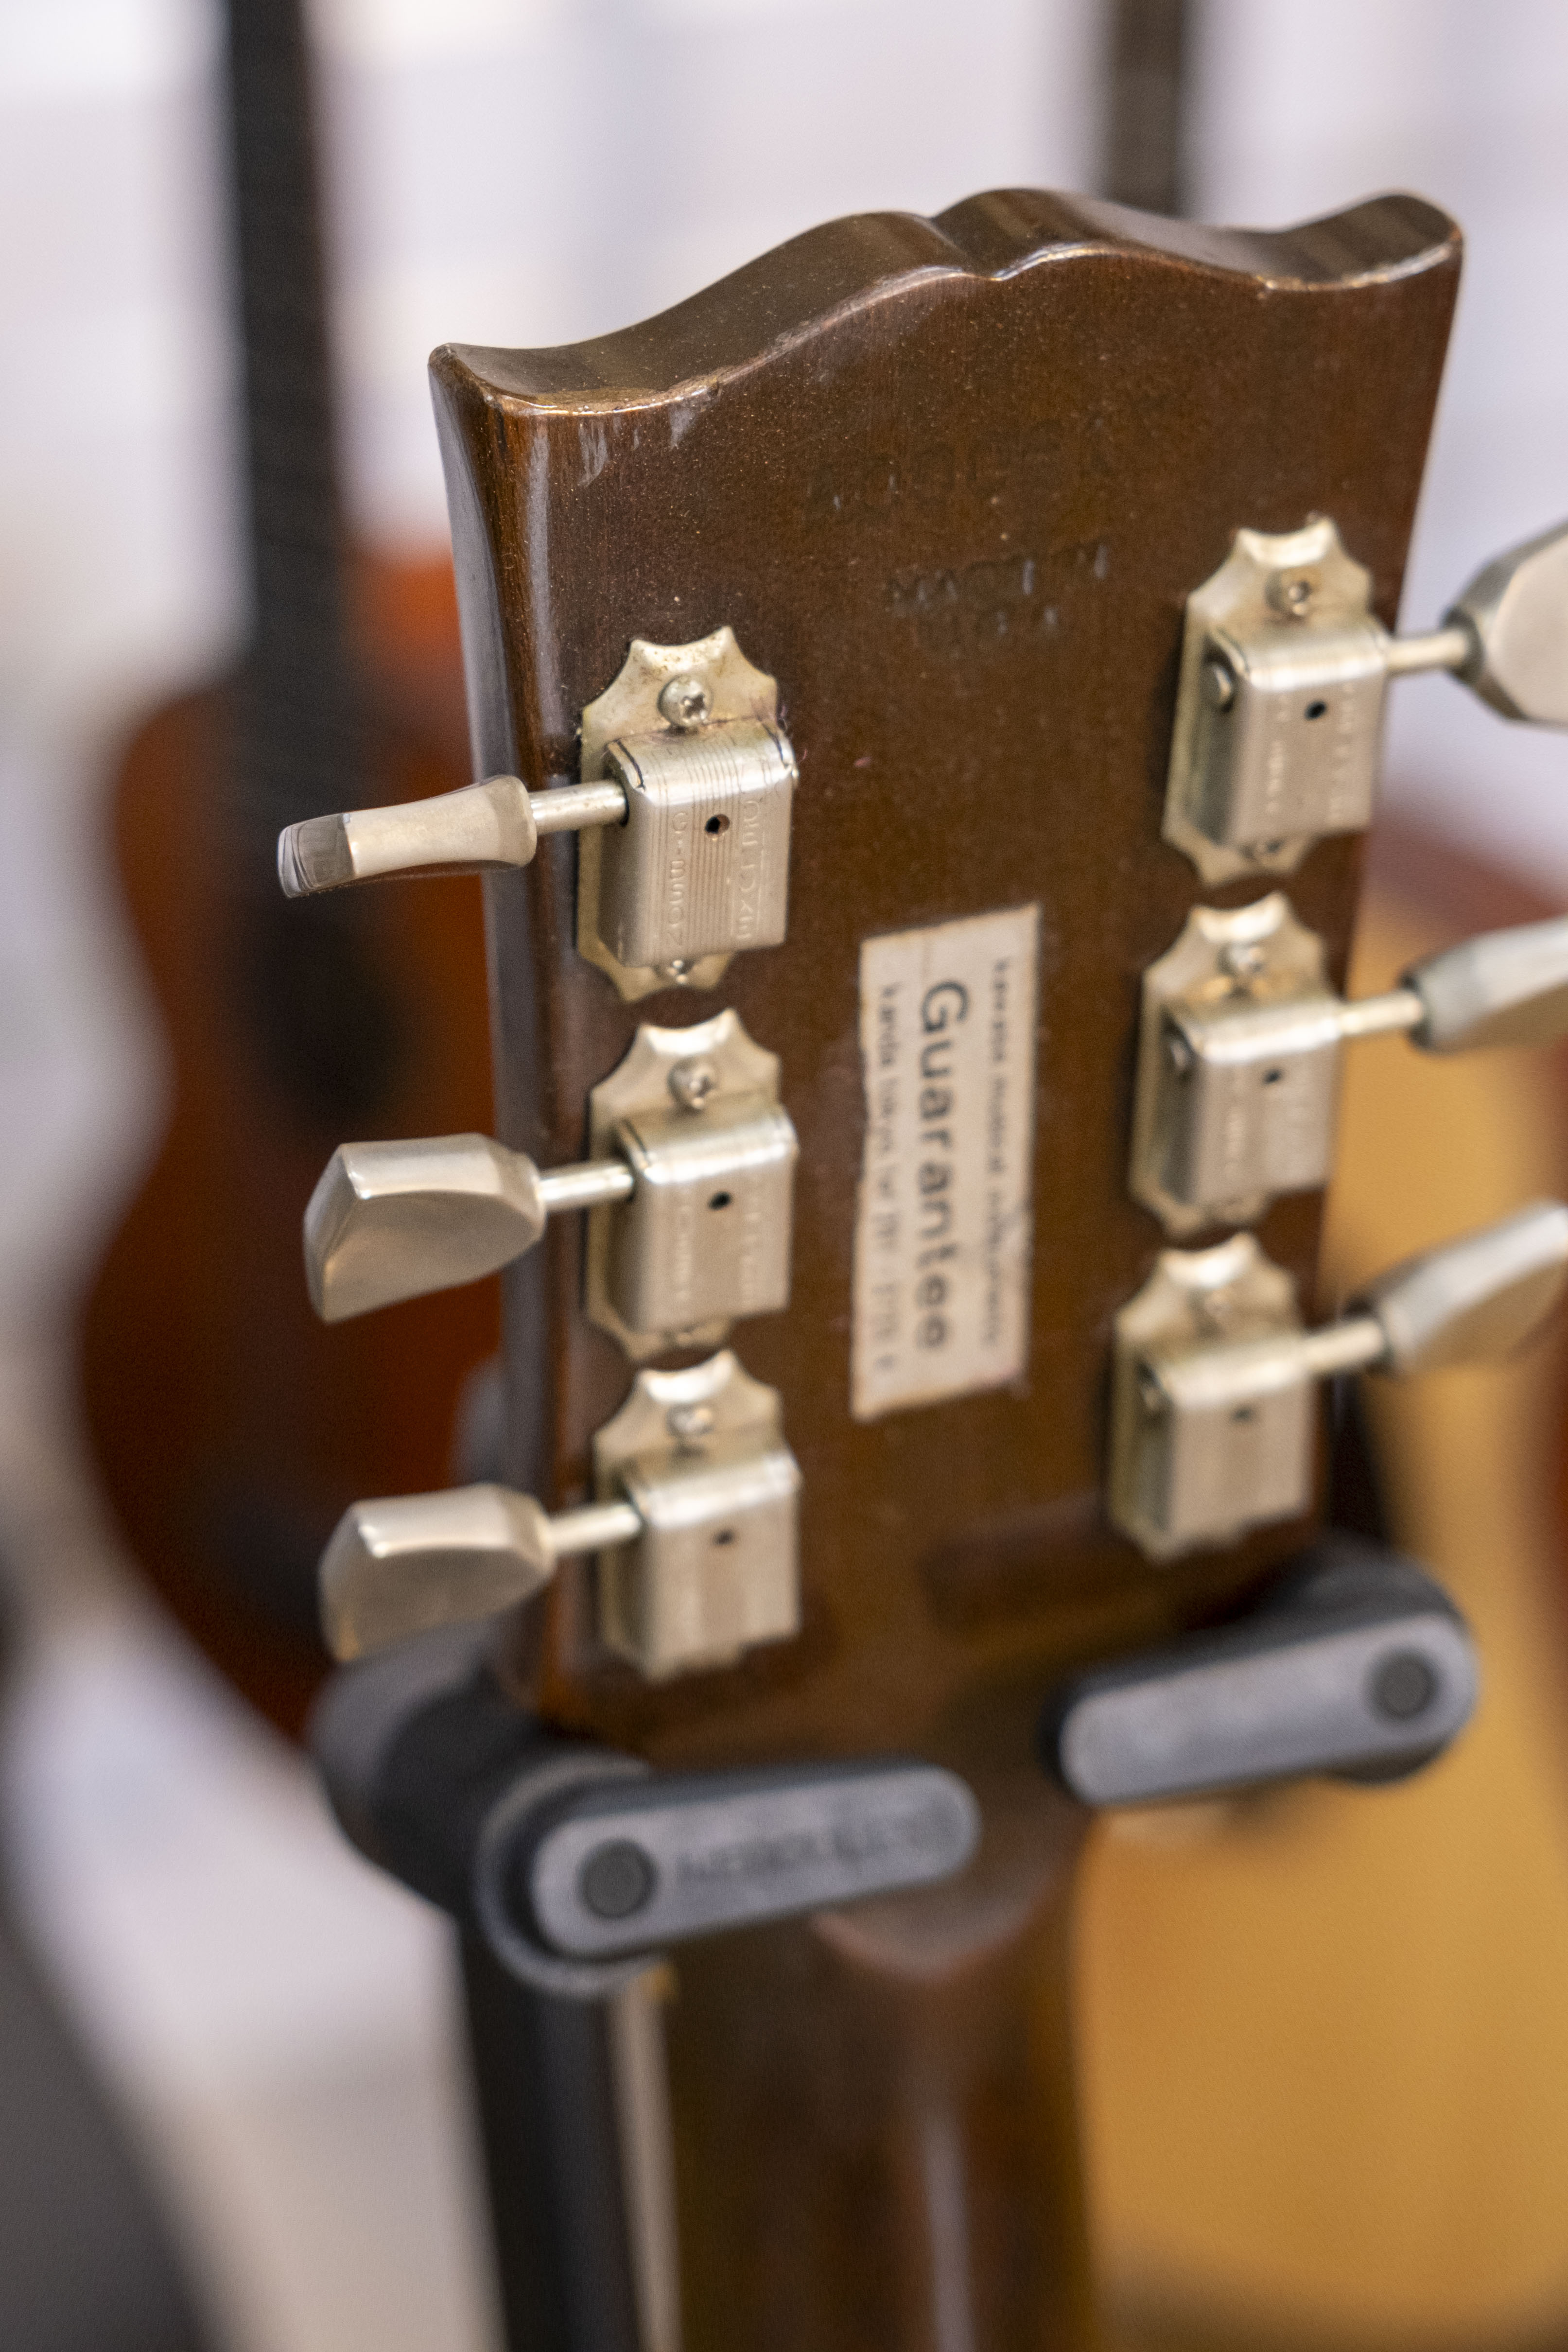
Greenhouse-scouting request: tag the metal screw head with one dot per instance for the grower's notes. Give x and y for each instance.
(1219, 685)
(685, 703)
(1243, 959)
(692, 1082)
(1215, 1310)
(1292, 592)
(686, 1421)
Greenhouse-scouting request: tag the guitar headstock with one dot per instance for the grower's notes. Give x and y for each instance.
(958, 649)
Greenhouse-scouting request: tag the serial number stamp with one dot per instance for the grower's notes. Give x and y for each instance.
(943, 1224)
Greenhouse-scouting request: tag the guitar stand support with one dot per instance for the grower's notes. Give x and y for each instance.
(576, 1865)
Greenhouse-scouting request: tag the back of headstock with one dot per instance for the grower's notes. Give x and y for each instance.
(950, 488)
(950, 485)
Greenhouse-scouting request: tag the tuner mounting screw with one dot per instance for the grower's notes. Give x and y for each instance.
(692, 1082)
(1291, 593)
(689, 1420)
(1243, 959)
(1219, 685)
(684, 703)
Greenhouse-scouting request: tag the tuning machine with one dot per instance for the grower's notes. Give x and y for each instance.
(1356, 1664)
(686, 789)
(688, 1189)
(694, 1531)
(1212, 1409)
(1239, 1049)
(1284, 670)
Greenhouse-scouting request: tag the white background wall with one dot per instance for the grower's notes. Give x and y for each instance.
(507, 171)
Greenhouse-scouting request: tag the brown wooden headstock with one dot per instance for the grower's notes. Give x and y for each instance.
(950, 483)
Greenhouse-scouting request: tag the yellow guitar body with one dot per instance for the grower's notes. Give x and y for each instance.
(1325, 2033)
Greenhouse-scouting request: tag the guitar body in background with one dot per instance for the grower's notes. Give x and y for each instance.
(229, 1427)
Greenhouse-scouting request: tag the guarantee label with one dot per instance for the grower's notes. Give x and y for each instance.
(944, 1225)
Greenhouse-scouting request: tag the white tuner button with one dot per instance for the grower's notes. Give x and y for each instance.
(1239, 1051)
(391, 1221)
(1213, 1427)
(695, 1532)
(1515, 615)
(481, 828)
(407, 1563)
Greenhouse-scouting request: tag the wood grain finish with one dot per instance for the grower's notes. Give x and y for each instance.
(950, 483)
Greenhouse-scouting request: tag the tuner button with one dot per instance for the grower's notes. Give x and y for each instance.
(483, 826)
(390, 1221)
(697, 1536)
(408, 1563)
(1357, 1666)
(1505, 987)
(1473, 1300)
(1516, 611)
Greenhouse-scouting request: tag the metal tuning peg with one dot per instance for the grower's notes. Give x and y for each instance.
(1284, 670)
(684, 801)
(689, 1189)
(1239, 1049)
(1212, 1425)
(479, 829)
(694, 1531)
(574, 1862)
(1357, 1664)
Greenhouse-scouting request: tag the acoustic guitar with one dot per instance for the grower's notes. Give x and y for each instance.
(229, 1427)
(926, 694)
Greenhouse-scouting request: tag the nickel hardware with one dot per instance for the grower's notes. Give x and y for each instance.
(1212, 1425)
(1284, 669)
(694, 1531)
(1239, 1051)
(683, 801)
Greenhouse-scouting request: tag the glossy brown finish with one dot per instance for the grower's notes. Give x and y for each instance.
(875, 2137)
(230, 1427)
(950, 483)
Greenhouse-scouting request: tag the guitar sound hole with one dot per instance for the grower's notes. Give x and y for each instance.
(717, 824)
(720, 1200)
(1317, 710)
